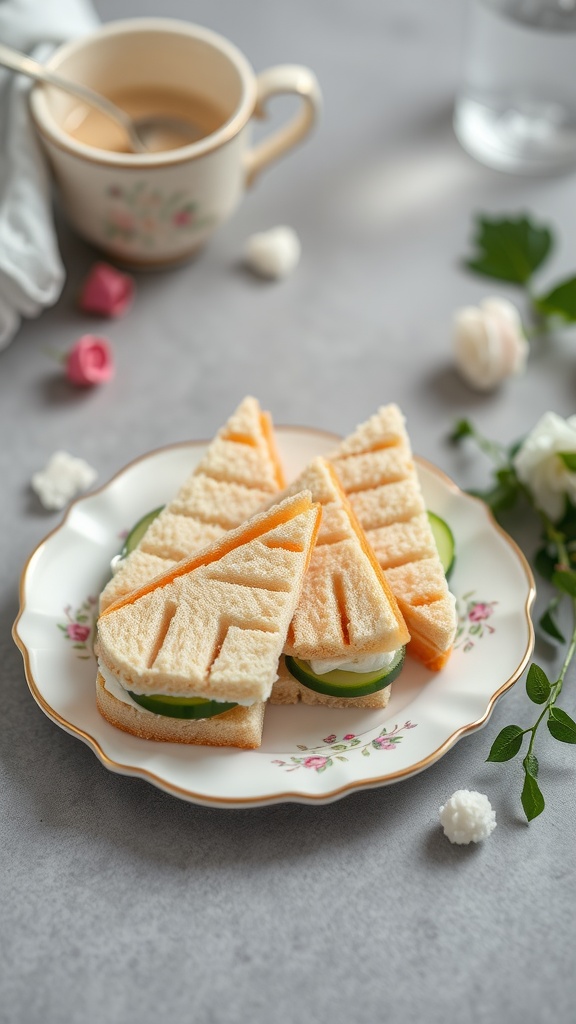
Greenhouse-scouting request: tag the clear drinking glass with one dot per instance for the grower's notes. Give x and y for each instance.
(516, 108)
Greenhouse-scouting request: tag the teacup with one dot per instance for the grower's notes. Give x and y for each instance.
(158, 208)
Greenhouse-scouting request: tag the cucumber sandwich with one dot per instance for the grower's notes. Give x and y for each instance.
(191, 655)
(376, 469)
(346, 640)
(239, 472)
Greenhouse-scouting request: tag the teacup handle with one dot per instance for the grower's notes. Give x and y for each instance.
(285, 78)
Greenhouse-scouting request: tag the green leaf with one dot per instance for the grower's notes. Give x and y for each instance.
(566, 528)
(531, 766)
(565, 581)
(537, 685)
(561, 301)
(515, 448)
(561, 726)
(545, 563)
(569, 460)
(462, 428)
(507, 744)
(500, 497)
(509, 249)
(547, 625)
(532, 799)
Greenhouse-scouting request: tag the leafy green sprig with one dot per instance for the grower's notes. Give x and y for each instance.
(555, 560)
(512, 250)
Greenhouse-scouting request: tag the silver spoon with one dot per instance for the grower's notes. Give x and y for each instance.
(140, 132)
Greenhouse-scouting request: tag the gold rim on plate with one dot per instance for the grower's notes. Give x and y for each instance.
(288, 795)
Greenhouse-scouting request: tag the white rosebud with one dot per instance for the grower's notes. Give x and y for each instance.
(540, 467)
(63, 477)
(273, 253)
(467, 817)
(489, 343)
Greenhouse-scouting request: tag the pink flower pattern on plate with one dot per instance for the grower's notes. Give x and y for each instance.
(480, 611)
(328, 752)
(473, 622)
(79, 626)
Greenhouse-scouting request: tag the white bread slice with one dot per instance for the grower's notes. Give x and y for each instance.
(239, 727)
(376, 469)
(238, 473)
(346, 608)
(214, 625)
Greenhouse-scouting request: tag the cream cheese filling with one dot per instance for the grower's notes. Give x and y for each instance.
(361, 663)
(118, 687)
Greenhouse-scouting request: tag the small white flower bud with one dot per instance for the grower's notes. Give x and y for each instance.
(489, 343)
(467, 817)
(62, 479)
(273, 253)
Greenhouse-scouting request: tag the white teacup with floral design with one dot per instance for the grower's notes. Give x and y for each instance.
(156, 208)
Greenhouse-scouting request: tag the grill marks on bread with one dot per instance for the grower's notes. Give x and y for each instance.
(340, 597)
(347, 607)
(214, 626)
(238, 473)
(376, 469)
(164, 626)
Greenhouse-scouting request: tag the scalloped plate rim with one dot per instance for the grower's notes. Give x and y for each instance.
(280, 795)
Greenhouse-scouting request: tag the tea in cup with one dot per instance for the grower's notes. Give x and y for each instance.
(156, 208)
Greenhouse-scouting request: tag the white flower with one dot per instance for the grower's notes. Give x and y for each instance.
(539, 466)
(489, 343)
(273, 253)
(63, 477)
(467, 817)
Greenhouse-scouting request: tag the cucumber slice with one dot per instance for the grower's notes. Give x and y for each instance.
(445, 543)
(181, 707)
(339, 683)
(138, 530)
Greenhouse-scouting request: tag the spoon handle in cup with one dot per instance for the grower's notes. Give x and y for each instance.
(26, 65)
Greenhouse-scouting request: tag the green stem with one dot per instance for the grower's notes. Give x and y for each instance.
(493, 449)
(557, 686)
(569, 655)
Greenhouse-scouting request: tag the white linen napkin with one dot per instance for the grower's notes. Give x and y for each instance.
(31, 271)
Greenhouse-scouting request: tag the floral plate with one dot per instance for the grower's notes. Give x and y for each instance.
(308, 754)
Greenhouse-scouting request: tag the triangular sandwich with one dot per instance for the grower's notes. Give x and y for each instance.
(175, 654)
(238, 473)
(376, 469)
(347, 633)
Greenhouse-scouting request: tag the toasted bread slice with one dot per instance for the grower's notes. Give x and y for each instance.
(214, 625)
(238, 473)
(376, 469)
(346, 609)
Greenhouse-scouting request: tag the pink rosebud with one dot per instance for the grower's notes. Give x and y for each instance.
(315, 762)
(182, 218)
(76, 631)
(107, 291)
(89, 361)
(383, 743)
(480, 611)
(349, 736)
